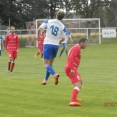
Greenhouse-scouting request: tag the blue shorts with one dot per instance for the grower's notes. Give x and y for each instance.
(0, 52)
(64, 44)
(50, 51)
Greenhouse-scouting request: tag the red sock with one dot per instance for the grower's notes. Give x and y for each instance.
(12, 66)
(9, 64)
(74, 95)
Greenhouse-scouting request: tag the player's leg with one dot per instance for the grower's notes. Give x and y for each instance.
(66, 50)
(38, 51)
(9, 64)
(10, 60)
(46, 78)
(50, 52)
(63, 48)
(56, 76)
(49, 70)
(13, 57)
(41, 50)
(49, 67)
(37, 54)
(76, 81)
(12, 65)
(75, 91)
(41, 55)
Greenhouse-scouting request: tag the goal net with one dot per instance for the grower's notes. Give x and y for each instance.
(87, 27)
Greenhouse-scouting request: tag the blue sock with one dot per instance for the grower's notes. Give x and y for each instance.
(66, 52)
(61, 52)
(50, 69)
(47, 75)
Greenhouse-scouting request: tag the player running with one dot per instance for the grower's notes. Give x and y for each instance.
(40, 44)
(12, 45)
(55, 34)
(73, 61)
(64, 43)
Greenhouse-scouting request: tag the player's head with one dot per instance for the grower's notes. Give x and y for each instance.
(60, 15)
(83, 42)
(12, 29)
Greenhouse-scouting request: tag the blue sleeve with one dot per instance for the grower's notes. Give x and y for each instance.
(69, 32)
(64, 30)
(46, 21)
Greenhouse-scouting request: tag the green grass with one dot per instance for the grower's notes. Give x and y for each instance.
(22, 95)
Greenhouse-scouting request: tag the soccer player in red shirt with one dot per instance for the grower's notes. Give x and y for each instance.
(73, 61)
(12, 45)
(40, 44)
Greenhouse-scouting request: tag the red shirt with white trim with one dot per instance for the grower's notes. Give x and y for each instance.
(12, 42)
(74, 57)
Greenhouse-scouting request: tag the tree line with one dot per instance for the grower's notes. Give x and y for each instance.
(21, 11)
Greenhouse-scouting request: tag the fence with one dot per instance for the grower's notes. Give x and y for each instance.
(28, 39)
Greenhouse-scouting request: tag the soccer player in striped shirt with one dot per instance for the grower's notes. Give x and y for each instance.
(12, 45)
(55, 34)
(1, 45)
(72, 64)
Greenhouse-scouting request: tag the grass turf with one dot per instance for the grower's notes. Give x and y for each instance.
(22, 95)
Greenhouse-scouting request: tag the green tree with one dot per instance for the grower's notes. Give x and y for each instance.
(21, 11)
(7, 11)
(86, 8)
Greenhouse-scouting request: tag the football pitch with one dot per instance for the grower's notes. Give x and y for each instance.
(22, 95)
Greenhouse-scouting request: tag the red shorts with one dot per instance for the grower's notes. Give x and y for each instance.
(40, 46)
(74, 78)
(12, 54)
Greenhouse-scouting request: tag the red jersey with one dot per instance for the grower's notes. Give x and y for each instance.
(74, 57)
(40, 41)
(12, 42)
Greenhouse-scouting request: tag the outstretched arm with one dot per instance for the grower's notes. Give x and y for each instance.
(61, 40)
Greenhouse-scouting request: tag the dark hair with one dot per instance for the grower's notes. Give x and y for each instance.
(82, 40)
(60, 15)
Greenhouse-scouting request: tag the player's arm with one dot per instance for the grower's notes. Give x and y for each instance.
(70, 38)
(17, 43)
(63, 35)
(72, 55)
(61, 40)
(71, 62)
(39, 32)
(42, 27)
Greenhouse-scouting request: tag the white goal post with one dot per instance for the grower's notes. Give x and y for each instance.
(86, 27)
